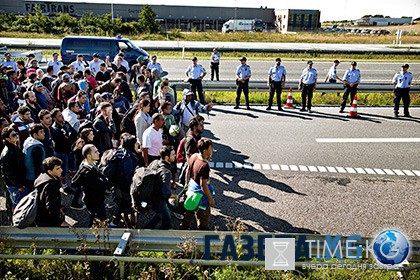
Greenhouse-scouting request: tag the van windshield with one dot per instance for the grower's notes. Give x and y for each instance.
(131, 45)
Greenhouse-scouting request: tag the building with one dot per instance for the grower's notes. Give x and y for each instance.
(185, 18)
(288, 20)
(379, 21)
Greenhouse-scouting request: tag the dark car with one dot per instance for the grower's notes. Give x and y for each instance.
(71, 46)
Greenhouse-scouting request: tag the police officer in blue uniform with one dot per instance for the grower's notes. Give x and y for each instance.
(307, 84)
(402, 83)
(276, 81)
(214, 63)
(195, 74)
(351, 80)
(243, 74)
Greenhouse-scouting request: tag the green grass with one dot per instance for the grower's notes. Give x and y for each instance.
(367, 99)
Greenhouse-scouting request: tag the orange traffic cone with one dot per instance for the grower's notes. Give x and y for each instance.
(353, 109)
(289, 102)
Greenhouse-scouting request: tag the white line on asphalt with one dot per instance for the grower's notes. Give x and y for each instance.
(312, 169)
(368, 140)
(379, 171)
(331, 169)
(303, 168)
(322, 169)
(409, 173)
(360, 170)
(417, 172)
(257, 166)
(350, 170)
(370, 171)
(399, 172)
(294, 168)
(389, 172)
(284, 167)
(266, 166)
(341, 170)
(275, 167)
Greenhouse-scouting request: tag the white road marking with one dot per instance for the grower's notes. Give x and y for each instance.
(311, 168)
(368, 140)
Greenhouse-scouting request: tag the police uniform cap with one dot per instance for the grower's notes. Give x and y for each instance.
(336, 61)
(7, 54)
(95, 55)
(310, 62)
(353, 63)
(278, 59)
(154, 57)
(30, 55)
(243, 59)
(405, 65)
(80, 55)
(194, 58)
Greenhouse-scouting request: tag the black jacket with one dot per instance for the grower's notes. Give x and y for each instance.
(93, 182)
(63, 137)
(103, 133)
(12, 164)
(48, 212)
(163, 181)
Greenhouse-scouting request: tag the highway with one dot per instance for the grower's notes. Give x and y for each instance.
(371, 71)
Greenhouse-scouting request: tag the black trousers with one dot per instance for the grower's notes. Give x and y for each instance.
(275, 87)
(348, 90)
(307, 92)
(214, 69)
(404, 94)
(197, 86)
(242, 87)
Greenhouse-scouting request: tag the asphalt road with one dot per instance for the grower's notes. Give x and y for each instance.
(290, 137)
(371, 71)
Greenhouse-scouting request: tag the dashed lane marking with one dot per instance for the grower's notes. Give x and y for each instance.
(315, 169)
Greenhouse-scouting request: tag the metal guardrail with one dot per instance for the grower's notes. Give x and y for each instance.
(262, 87)
(150, 240)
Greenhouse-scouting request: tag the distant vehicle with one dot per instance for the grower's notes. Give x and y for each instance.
(71, 46)
(234, 25)
(20, 55)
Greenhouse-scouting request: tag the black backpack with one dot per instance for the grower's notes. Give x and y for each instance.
(24, 214)
(142, 189)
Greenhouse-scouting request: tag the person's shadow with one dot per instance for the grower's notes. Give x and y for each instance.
(232, 199)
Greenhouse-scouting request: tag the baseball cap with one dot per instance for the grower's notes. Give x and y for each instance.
(80, 55)
(66, 77)
(405, 65)
(55, 53)
(187, 92)
(140, 58)
(278, 59)
(7, 54)
(310, 62)
(37, 84)
(353, 63)
(242, 58)
(106, 95)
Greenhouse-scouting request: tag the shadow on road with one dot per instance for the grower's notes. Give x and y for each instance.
(239, 112)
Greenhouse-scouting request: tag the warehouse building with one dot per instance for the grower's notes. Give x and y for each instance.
(289, 20)
(379, 21)
(186, 18)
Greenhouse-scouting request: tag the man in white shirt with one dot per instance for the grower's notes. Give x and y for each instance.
(55, 63)
(79, 64)
(152, 139)
(70, 115)
(94, 65)
(124, 62)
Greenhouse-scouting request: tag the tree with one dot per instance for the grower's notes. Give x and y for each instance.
(378, 16)
(367, 16)
(147, 20)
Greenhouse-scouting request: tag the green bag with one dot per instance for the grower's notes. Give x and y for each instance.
(193, 200)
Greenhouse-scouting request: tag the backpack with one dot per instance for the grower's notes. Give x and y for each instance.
(24, 214)
(180, 152)
(128, 121)
(143, 188)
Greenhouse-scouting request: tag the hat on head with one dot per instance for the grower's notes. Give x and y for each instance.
(80, 55)
(336, 61)
(405, 65)
(30, 55)
(194, 58)
(242, 58)
(7, 54)
(154, 57)
(95, 55)
(66, 77)
(37, 84)
(310, 62)
(54, 53)
(106, 95)
(278, 59)
(3, 78)
(187, 92)
(140, 58)
(353, 63)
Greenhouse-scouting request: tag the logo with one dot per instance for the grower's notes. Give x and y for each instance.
(280, 254)
(390, 247)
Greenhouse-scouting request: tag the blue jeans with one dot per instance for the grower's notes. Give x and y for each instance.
(16, 195)
(162, 214)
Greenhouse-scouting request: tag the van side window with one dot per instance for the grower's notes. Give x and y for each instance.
(76, 45)
(122, 46)
(102, 45)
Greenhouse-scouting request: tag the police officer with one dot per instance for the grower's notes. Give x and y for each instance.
(402, 82)
(243, 74)
(195, 74)
(276, 81)
(307, 84)
(351, 80)
(214, 63)
(332, 75)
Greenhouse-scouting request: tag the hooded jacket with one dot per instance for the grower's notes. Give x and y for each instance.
(12, 163)
(48, 212)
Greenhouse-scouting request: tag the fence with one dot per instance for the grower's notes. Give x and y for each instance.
(121, 241)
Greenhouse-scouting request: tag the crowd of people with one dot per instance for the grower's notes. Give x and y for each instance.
(81, 130)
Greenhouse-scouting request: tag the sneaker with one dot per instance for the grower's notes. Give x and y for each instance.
(236, 107)
(268, 108)
(178, 216)
(341, 111)
(77, 206)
